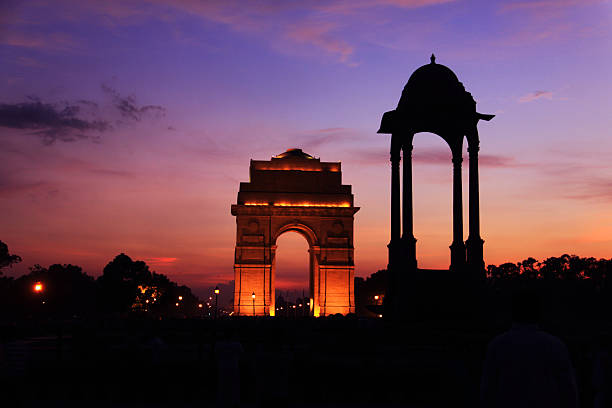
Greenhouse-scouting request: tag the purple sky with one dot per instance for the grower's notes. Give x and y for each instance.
(126, 126)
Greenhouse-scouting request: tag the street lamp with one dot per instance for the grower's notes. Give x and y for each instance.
(180, 298)
(376, 297)
(216, 300)
(253, 296)
(38, 287)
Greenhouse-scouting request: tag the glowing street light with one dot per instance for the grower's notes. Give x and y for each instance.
(38, 287)
(253, 297)
(200, 305)
(180, 298)
(176, 304)
(216, 300)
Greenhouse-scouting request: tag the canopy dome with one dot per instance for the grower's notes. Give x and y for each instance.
(432, 74)
(433, 100)
(433, 84)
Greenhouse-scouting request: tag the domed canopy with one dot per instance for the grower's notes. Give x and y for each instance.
(433, 100)
(434, 85)
(432, 75)
(293, 153)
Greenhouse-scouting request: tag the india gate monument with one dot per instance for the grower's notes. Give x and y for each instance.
(294, 192)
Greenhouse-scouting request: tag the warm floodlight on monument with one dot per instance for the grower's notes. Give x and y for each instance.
(434, 101)
(294, 191)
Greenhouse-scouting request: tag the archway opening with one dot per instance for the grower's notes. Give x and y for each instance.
(432, 180)
(292, 275)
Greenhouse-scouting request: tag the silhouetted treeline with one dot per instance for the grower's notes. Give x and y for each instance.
(65, 291)
(565, 267)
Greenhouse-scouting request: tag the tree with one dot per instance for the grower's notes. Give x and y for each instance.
(127, 285)
(119, 282)
(66, 290)
(7, 259)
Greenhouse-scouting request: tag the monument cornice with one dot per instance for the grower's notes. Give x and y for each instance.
(271, 210)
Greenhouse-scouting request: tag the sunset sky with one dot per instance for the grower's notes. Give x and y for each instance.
(126, 126)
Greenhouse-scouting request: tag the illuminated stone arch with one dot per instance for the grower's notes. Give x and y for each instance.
(294, 192)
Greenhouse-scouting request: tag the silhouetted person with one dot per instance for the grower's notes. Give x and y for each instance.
(602, 376)
(227, 354)
(526, 367)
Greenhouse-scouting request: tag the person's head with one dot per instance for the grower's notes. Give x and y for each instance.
(525, 306)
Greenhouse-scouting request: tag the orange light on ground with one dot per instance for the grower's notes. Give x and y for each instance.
(200, 305)
(38, 287)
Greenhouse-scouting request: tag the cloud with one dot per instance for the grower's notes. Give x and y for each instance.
(160, 261)
(319, 35)
(311, 23)
(546, 5)
(71, 121)
(591, 189)
(10, 187)
(313, 140)
(47, 41)
(126, 106)
(434, 156)
(348, 6)
(50, 121)
(530, 97)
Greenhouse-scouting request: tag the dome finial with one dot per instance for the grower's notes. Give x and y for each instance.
(433, 59)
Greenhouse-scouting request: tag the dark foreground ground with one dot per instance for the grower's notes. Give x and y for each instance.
(341, 361)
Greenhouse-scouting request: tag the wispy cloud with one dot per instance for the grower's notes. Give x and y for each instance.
(320, 34)
(312, 140)
(50, 121)
(71, 121)
(435, 156)
(48, 41)
(160, 261)
(545, 5)
(127, 107)
(284, 24)
(533, 96)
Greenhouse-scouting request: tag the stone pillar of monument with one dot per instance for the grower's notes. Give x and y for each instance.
(395, 201)
(408, 241)
(391, 302)
(457, 247)
(474, 243)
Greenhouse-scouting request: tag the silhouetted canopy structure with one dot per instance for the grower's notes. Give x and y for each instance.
(433, 100)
